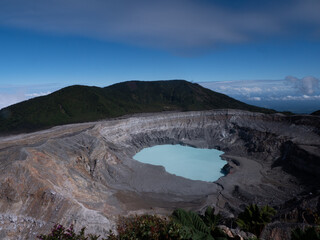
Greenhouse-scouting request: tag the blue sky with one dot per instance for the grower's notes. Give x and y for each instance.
(46, 45)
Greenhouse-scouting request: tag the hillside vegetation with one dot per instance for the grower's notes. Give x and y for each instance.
(180, 225)
(77, 103)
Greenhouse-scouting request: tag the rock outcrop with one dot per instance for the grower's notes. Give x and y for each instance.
(85, 173)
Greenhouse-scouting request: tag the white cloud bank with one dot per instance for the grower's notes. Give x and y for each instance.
(7, 99)
(300, 95)
(296, 98)
(290, 88)
(307, 85)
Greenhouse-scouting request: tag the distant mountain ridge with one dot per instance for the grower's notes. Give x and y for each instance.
(316, 113)
(78, 103)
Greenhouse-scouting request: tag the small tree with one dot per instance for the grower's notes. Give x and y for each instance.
(253, 219)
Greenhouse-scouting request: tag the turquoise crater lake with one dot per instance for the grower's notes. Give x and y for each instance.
(184, 161)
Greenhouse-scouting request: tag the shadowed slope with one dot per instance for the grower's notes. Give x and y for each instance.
(317, 113)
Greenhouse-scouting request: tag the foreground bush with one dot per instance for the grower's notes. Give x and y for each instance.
(58, 232)
(182, 225)
(195, 226)
(147, 227)
(310, 233)
(142, 227)
(253, 219)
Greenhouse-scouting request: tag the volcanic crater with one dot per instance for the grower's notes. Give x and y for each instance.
(85, 173)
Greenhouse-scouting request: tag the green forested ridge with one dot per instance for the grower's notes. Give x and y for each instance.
(77, 103)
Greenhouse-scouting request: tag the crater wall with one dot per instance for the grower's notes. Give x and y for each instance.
(84, 173)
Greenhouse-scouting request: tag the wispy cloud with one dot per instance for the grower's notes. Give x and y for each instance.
(255, 98)
(169, 24)
(32, 95)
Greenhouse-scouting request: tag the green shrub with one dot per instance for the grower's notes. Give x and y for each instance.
(182, 225)
(147, 227)
(308, 234)
(143, 227)
(253, 219)
(58, 232)
(197, 227)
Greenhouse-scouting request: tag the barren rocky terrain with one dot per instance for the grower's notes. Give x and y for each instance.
(85, 174)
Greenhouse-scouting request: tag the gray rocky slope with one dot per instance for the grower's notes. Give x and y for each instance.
(85, 173)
